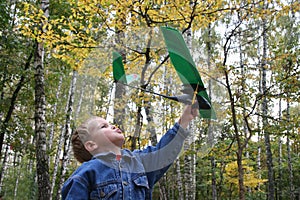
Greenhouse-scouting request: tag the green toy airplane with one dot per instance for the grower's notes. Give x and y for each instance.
(193, 87)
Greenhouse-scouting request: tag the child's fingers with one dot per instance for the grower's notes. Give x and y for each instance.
(195, 112)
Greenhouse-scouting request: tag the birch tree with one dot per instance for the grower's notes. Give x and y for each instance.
(271, 187)
(120, 90)
(189, 156)
(280, 175)
(59, 145)
(40, 115)
(54, 109)
(291, 41)
(208, 47)
(67, 133)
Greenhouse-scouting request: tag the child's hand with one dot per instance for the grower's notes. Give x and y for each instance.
(188, 114)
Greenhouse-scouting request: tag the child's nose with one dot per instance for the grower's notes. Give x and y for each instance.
(113, 127)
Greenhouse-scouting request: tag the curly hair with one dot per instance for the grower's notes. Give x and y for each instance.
(79, 137)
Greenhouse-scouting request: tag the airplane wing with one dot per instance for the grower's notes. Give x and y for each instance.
(186, 69)
(118, 68)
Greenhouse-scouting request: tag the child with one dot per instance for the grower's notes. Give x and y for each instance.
(110, 172)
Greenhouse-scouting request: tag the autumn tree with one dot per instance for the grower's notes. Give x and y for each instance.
(80, 36)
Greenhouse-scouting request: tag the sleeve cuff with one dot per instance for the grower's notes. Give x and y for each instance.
(180, 130)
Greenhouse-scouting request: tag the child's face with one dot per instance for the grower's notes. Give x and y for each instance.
(106, 136)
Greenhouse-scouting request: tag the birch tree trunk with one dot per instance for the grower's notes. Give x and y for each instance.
(18, 171)
(289, 66)
(189, 158)
(290, 164)
(79, 104)
(150, 120)
(119, 108)
(40, 129)
(259, 122)
(271, 188)
(58, 151)
(67, 134)
(57, 161)
(179, 180)
(210, 133)
(4, 166)
(189, 174)
(40, 117)
(61, 142)
(279, 186)
(54, 110)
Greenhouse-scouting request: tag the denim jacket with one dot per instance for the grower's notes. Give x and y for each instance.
(131, 176)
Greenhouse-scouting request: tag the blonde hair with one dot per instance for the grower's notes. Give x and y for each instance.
(79, 137)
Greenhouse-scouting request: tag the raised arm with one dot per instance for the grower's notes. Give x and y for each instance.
(157, 159)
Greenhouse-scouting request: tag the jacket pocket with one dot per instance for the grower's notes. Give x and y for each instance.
(141, 187)
(104, 192)
(141, 181)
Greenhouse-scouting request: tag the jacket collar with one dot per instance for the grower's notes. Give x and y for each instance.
(110, 156)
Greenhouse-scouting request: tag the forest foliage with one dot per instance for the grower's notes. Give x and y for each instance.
(247, 53)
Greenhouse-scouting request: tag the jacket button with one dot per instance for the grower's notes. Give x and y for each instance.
(125, 183)
(102, 194)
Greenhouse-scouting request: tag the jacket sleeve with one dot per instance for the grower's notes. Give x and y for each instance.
(75, 188)
(157, 159)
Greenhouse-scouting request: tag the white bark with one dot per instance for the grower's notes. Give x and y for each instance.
(271, 188)
(290, 164)
(179, 180)
(54, 111)
(189, 158)
(67, 134)
(40, 116)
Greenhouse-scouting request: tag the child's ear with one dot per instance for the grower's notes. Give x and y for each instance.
(90, 145)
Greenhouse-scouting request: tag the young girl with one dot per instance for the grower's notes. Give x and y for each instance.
(110, 172)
